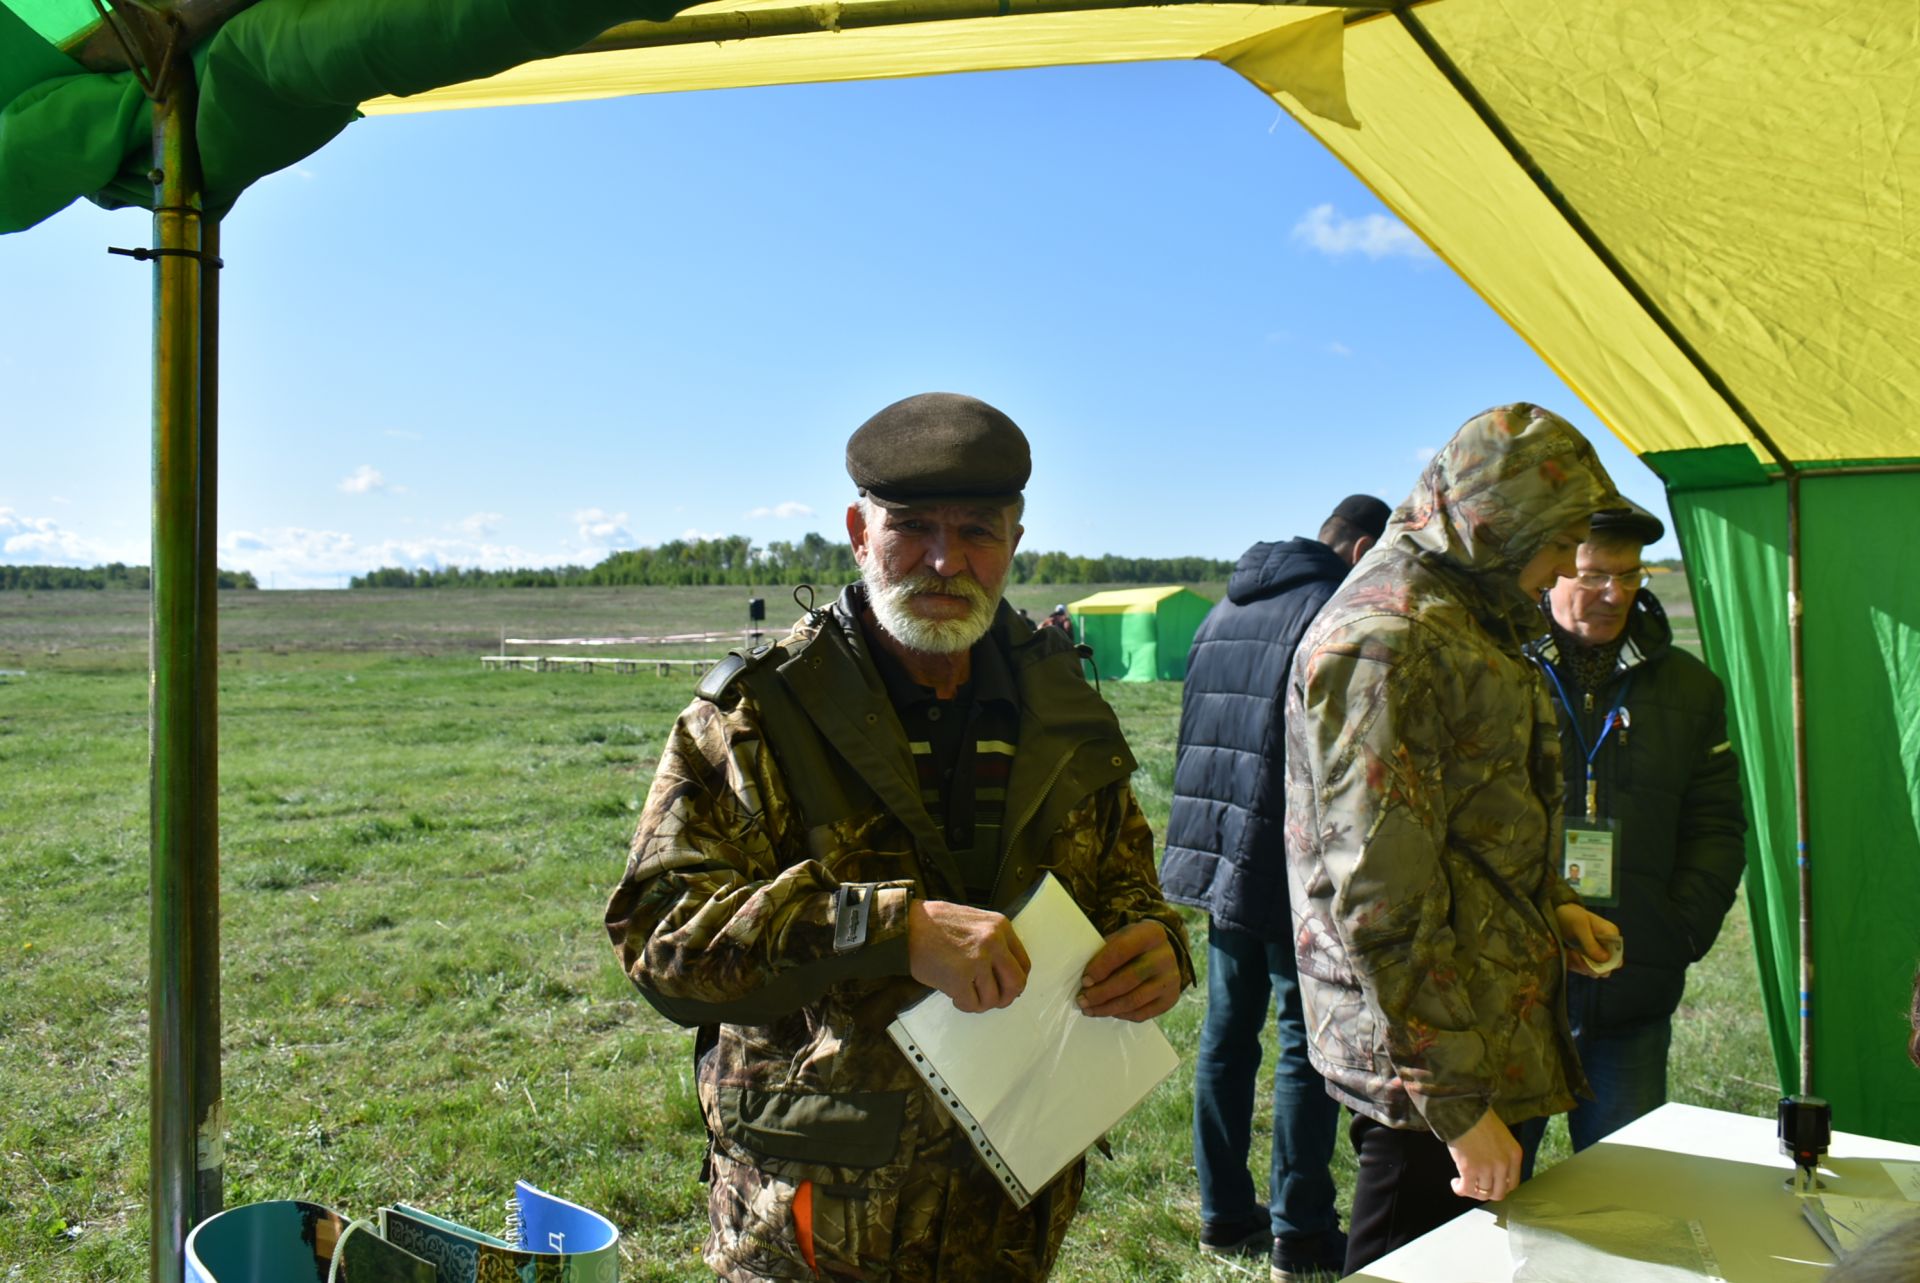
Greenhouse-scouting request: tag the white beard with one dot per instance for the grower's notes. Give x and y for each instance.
(892, 606)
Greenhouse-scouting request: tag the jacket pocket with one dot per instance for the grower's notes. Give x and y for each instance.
(764, 1228)
(833, 1129)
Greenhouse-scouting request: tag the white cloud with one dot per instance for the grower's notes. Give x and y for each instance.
(783, 511)
(1425, 454)
(42, 541)
(1339, 349)
(600, 527)
(365, 480)
(298, 557)
(690, 534)
(1375, 235)
(404, 434)
(480, 524)
(295, 557)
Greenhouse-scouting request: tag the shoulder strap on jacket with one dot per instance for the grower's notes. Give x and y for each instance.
(817, 783)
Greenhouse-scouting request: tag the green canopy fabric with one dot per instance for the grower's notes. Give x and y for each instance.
(276, 84)
(1863, 753)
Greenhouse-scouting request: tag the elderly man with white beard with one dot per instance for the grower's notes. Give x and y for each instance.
(844, 820)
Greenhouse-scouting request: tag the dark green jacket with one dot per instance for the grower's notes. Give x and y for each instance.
(1672, 782)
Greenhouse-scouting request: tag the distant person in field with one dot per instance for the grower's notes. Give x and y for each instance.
(1652, 781)
(1432, 925)
(1058, 618)
(843, 821)
(1226, 853)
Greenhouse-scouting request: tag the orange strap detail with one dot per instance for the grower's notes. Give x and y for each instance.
(803, 1222)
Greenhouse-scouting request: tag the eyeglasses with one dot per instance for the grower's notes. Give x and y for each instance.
(1598, 581)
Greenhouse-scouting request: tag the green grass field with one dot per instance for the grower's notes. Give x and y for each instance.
(419, 1000)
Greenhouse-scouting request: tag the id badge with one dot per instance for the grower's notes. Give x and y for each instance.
(1590, 861)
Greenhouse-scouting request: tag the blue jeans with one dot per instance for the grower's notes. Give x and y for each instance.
(1244, 972)
(1628, 1070)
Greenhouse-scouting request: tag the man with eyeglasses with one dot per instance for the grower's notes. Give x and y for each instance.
(1654, 819)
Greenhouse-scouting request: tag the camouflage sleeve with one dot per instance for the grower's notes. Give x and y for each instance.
(722, 916)
(1554, 889)
(1129, 886)
(1377, 748)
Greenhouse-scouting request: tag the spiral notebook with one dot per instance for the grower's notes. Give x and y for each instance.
(1036, 1083)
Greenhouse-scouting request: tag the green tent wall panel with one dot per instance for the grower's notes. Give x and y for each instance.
(1862, 674)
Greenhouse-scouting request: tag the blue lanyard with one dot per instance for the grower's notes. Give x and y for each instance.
(1616, 716)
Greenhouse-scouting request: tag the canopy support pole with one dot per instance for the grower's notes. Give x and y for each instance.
(186, 1145)
(1802, 834)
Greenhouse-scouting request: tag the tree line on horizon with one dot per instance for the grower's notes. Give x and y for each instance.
(730, 560)
(734, 560)
(113, 575)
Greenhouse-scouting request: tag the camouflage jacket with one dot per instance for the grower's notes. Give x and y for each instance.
(1423, 796)
(798, 778)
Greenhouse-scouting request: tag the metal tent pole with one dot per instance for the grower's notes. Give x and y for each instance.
(1802, 826)
(186, 1142)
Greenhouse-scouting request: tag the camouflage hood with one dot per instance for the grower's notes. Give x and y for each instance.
(1510, 479)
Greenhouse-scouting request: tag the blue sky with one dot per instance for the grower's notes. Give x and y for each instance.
(536, 335)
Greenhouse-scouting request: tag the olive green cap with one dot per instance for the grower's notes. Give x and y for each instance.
(939, 447)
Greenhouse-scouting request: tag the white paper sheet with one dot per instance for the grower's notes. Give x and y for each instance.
(1041, 1080)
(1906, 1176)
(1845, 1222)
(1606, 1245)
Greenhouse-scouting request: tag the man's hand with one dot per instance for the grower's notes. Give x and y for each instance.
(1590, 939)
(1135, 976)
(970, 955)
(1488, 1160)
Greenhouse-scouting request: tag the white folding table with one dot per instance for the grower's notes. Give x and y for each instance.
(1724, 1171)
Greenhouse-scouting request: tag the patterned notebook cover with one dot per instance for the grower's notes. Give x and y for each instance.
(552, 1241)
(557, 1242)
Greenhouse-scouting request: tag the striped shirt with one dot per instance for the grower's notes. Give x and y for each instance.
(963, 753)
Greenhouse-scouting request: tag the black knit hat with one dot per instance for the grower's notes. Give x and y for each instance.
(939, 447)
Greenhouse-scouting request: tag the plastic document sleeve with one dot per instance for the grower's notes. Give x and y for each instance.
(1036, 1083)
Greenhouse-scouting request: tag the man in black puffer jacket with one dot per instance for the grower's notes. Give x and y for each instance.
(1655, 823)
(1226, 854)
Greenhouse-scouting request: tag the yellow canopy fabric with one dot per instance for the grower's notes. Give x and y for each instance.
(848, 51)
(1743, 166)
(1124, 601)
(1692, 212)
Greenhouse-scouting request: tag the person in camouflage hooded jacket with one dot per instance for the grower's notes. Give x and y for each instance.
(1423, 804)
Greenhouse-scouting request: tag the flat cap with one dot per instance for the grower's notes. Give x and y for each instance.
(1630, 522)
(1366, 513)
(939, 447)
